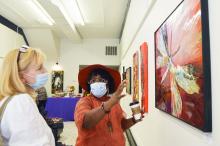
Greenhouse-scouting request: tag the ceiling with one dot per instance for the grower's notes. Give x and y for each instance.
(102, 18)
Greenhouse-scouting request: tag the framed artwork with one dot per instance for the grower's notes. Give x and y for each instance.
(128, 78)
(144, 76)
(136, 76)
(123, 74)
(182, 65)
(57, 81)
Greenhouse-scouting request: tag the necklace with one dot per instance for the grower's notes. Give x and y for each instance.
(109, 124)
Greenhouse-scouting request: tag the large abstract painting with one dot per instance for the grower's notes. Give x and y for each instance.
(136, 76)
(144, 76)
(182, 65)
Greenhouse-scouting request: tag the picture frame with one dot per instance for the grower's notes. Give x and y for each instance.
(123, 75)
(135, 76)
(57, 82)
(128, 78)
(182, 65)
(144, 76)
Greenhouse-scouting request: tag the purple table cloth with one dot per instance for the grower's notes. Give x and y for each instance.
(61, 108)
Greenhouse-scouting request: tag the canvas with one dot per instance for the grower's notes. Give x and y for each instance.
(128, 78)
(182, 65)
(144, 76)
(136, 76)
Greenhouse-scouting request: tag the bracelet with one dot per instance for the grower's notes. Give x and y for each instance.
(133, 120)
(103, 108)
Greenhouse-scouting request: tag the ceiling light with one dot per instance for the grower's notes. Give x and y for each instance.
(70, 10)
(57, 67)
(29, 11)
(43, 16)
(73, 10)
(62, 9)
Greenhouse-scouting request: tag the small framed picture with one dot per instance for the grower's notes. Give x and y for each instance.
(57, 81)
(128, 78)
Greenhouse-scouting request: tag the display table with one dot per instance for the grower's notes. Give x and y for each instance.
(62, 107)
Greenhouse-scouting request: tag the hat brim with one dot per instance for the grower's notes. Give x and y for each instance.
(84, 74)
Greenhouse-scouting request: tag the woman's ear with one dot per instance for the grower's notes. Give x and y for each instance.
(24, 81)
(22, 78)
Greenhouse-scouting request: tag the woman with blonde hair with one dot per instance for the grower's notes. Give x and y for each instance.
(20, 121)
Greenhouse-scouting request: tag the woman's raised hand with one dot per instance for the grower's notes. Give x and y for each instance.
(117, 95)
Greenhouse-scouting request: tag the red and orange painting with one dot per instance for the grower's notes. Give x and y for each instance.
(144, 76)
(182, 66)
(136, 77)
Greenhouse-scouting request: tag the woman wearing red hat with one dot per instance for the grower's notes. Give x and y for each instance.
(99, 117)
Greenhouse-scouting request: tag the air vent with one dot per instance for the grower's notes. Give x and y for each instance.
(111, 50)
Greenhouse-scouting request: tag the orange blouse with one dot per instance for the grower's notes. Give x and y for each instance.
(100, 135)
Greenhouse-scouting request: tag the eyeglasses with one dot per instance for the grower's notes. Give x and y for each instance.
(98, 80)
(23, 49)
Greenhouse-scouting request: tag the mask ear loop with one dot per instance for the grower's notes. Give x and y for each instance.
(107, 87)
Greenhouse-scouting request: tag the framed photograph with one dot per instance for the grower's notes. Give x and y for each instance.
(182, 65)
(57, 81)
(136, 76)
(144, 76)
(128, 78)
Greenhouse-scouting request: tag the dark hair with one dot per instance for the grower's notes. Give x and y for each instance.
(105, 75)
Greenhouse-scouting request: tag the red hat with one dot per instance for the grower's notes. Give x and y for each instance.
(85, 72)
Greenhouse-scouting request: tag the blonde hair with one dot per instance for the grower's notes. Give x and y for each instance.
(10, 79)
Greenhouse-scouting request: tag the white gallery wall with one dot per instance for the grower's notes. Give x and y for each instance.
(37, 38)
(90, 51)
(158, 128)
(9, 40)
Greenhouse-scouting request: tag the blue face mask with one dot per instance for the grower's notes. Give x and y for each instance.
(41, 80)
(98, 89)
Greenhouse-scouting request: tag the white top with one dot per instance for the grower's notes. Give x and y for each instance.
(22, 124)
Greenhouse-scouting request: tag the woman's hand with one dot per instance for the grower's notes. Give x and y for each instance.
(141, 119)
(117, 95)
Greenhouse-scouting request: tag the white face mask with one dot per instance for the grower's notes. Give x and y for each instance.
(98, 89)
